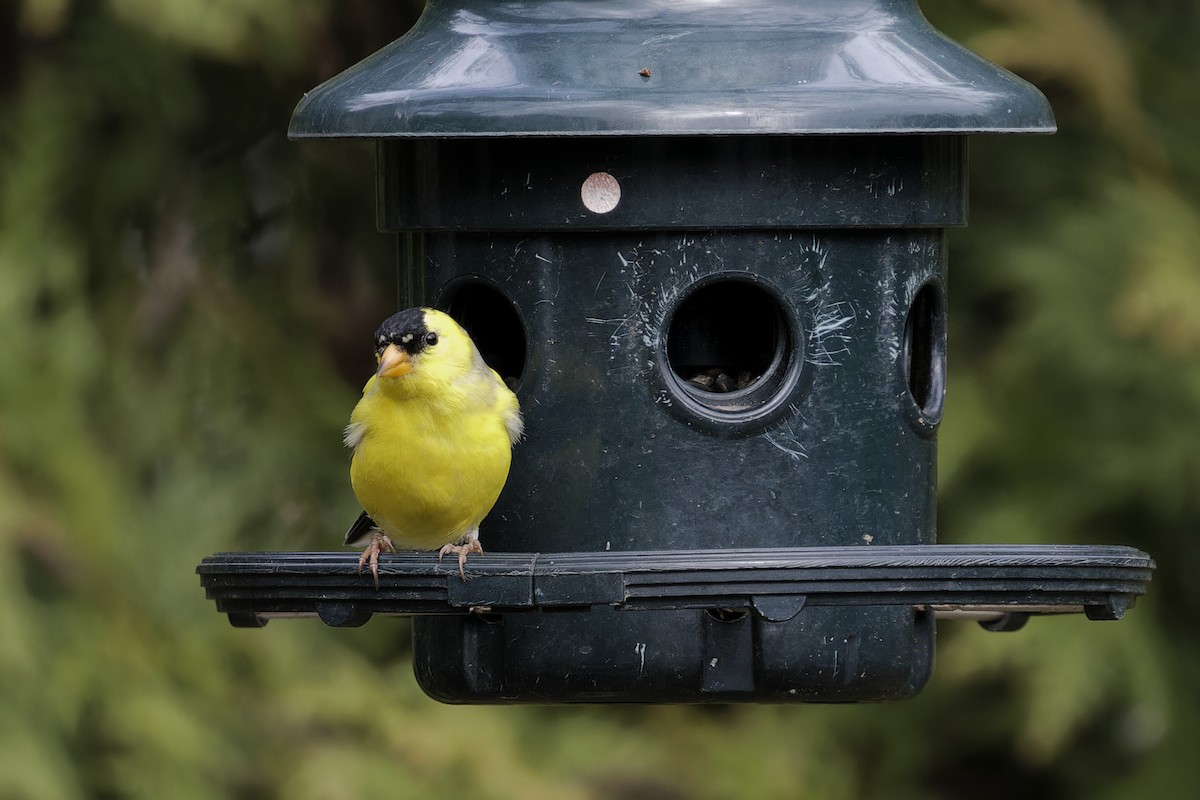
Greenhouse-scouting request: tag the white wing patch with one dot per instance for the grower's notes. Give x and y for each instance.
(514, 423)
(354, 434)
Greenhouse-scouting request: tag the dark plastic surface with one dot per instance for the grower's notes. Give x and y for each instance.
(814, 624)
(692, 183)
(798, 261)
(630, 67)
(829, 448)
(776, 584)
(813, 262)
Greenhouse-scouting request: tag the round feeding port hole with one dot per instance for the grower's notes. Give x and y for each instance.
(493, 323)
(924, 355)
(732, 352)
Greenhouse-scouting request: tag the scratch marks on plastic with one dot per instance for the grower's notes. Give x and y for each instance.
(897, 299)
(614, 338)
(845, 657)
(831, 324)
(653, 278)
(784, 439)
(880, 185)
(529, 264)
(829, 320)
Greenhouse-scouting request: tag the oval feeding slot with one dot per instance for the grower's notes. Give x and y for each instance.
(493, 323)
(924, 354)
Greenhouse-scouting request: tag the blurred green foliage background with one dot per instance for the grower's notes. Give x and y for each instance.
(185, 298)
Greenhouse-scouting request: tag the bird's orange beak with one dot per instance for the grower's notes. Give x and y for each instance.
(394, 362)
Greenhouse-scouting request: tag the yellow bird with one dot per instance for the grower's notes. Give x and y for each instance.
(432, 439)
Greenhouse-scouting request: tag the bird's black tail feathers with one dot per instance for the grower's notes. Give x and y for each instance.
(361, 529)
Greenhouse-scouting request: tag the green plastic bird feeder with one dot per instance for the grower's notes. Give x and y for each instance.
(707, 243)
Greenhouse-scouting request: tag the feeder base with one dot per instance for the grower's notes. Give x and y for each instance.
(829, 624)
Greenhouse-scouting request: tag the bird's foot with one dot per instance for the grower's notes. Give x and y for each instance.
(461, 550)
(378, 544)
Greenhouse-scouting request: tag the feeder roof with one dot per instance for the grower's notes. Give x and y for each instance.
(670, 68)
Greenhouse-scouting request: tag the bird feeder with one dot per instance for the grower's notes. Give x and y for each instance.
(707, 245)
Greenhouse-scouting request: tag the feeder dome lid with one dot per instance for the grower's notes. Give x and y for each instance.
(670, 68)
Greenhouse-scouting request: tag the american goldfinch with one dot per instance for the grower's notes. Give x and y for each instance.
(432, 439)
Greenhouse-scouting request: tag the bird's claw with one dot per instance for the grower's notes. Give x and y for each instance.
(461, 550)
(370, 556)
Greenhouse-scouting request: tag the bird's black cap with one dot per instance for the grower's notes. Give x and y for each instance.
(406, 329)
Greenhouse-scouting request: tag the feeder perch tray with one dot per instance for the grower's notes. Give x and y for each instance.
(998, 585)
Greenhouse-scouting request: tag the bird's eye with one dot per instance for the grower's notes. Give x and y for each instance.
(431, 339)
